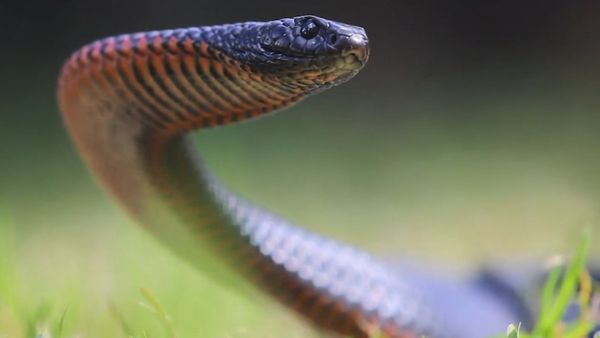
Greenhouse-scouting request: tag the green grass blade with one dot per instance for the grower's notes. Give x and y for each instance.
(568, 287)
(120, 319)
(512, 331)
(547, 301)
(157, 308)
(61, 325)
(555, 301)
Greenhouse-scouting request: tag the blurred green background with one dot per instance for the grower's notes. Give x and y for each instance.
(471, 136)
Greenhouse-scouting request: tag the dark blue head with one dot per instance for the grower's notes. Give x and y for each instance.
(311, 36)
(305, 49)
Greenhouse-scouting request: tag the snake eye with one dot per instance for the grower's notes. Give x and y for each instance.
(309, 29)
(332, 39)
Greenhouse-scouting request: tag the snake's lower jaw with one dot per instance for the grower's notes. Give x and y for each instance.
(354, 61)
(348, 65)
(350, 61)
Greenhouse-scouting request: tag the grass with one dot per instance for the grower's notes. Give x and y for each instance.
(65, 313)
(559, 292)
(134, 289)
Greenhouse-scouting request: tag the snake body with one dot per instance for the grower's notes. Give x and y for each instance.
(128, 102)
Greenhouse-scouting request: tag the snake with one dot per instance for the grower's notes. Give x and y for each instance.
(130, 102)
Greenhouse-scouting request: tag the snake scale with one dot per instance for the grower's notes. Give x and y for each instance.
(128, 102)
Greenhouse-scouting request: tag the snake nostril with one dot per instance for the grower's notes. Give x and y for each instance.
(358, 40)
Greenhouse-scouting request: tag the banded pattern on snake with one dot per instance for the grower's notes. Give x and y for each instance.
(128, 102)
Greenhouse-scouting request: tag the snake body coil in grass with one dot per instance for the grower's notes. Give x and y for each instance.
(128, 102)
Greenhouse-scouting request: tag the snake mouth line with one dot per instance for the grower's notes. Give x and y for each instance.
(353, 61)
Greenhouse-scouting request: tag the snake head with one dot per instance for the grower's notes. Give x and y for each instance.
(310, 36)
(314, 48)
(305, 51)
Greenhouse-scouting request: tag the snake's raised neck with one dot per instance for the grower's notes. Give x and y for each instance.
(128, 101)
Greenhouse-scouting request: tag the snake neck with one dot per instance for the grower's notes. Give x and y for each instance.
(128, 102)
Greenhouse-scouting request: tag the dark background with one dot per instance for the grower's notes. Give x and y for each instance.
(472, 135)
(407, 37)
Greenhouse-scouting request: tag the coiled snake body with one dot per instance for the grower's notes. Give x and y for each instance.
(128, 102)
